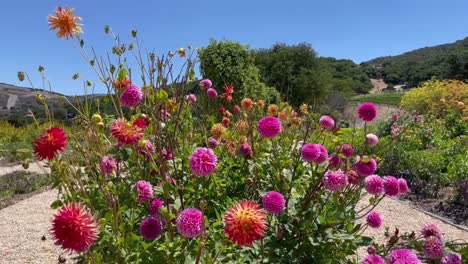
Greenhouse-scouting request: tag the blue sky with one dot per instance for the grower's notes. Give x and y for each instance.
(353, 29)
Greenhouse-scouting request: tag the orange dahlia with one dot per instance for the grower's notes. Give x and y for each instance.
(65, 22)
(218, 130)
(125, 132)
(273, 110)
(245, 222)
(247, 103)
(51, 141)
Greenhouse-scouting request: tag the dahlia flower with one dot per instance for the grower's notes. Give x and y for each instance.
(226, 121)
(347, 150)
(272, 110)
(74, 228)
(145, 191)
(237, 109)
(372, 140)
(273, 202)
(155, 205)
(451, 259)
(335, 180)
(433, 247)
(132, 96)
(150, 228)
(403, 186)
(146, 148)
(205, 83)
(124, 83)
(374, 220)
(141, 122)
(212, 143)
(245, 149)
(367, 112)
(189, 223)
(218, 130)
(203, 162)
(353, 177)
(334, 162)
(326, 122)
(314, 153)
(108, 164)
(269, 126)
(431, 230)
(192, 98)
(403, 256)
(247, 103)
(374, 184)
(373, 259)
(391, 186)
(125, 133)
(245, 222)
(365, 168)
(49, 143)
(66, 23)
(212, 93)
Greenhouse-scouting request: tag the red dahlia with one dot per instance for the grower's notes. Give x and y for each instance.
(245, 222)
(51, 141)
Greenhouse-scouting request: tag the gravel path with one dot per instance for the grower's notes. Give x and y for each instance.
(33, 167)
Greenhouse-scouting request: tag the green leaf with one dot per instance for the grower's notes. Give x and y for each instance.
(122, 74)
(162, 95)
(56, 204)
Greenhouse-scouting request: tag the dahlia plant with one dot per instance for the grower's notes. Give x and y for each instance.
(176, 173)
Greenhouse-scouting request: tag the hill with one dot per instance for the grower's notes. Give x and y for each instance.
(447, 61)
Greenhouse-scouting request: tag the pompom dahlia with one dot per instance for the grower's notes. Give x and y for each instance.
(237, 109)
(125, 133)
(353, 177)
(205, 83)
(391, 186)
(326, 122)
(247, 103)
(212, 93)
(335, 180)
(431, 230)
(108, 164)
(374, 220)
(203, 162)
(372, 140)
(373, 259)
(403, 186)
(74, 228)
(314, 153)
(451, 259)
(334, 162)
(192, 98)
(132, 96)
(374, 184)
(212, 143)
(245, 222)
(273, 202)
(433, 247)
(347, 150)
(65, 22)
(269, 126)
(367, 112)
(156, 204)
(150, 228)
(364, 168)
(189, 223)
(49, 143)
(145, 191)
(400, 256)
(245, 149)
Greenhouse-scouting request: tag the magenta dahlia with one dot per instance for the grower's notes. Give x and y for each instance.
(132, 96)
(403, 186)
(347, 150)
(372, 140)
(367, 112)
(146, 148)
(189, 223)
(373, 259)
(374, 184)
(203, 162)
(273, 202)
(353, 177)
(192, 98)
(156, 204)
(374, 220)
(314, 153)
(391, 186)
(108, 164)
(212, 143)
(326, 122)
(335, 180)
(269, 126)
(212, 93)
(145, 191)
(334, 162)
(150, 228)
(403, 256)
(245, 149)
(433, 247)
(451, 259)
(205, 83)
(364, 168)
(431, 230)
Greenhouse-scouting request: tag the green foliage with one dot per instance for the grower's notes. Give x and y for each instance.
(228, 62)
(346, 75)
(382, 98)
(20, 183)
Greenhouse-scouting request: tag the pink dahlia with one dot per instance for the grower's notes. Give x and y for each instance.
(347, 150)
(189, 223)
(49, 143)
(212, 143)
(205, 83)
(245, 149)
(367, 112)
(245, 222)
(403, 186)
(167, 154)
(192, 98)
(374, 220)
(269, 126)
(433, 247)
(403, 256)
(237, 109)
(451, 259)
(74, 228)
(146, 148)
(364, 168)
(150, 228)
(126, 133)
(203, 162)
(334, 162)
(273, 202)
(212, 93)
(314, 153)
(431, 230)
(391, 186)
(373, 259)
(334, 180)
(374, 184)
(141, 122)
(353, 177)
(372, 140)
(326, 122)
(156, 204)
(108, 164)
(145, 191)
(132, 96)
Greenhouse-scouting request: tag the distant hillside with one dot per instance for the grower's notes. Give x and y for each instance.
(447, 61)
